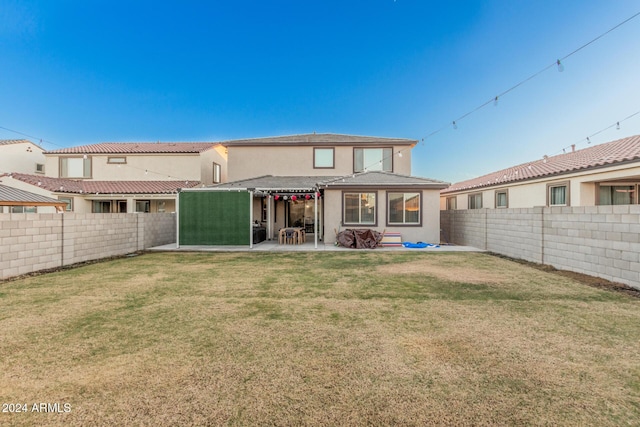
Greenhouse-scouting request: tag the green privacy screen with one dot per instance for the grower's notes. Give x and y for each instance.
(214, 218)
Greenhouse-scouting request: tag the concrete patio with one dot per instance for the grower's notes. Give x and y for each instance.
(273, 245)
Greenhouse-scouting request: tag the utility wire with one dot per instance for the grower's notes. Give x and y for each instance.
(557, 63)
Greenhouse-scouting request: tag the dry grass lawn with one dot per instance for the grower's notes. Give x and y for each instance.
(342, 338)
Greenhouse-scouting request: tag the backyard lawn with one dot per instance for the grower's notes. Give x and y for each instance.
(332, 338)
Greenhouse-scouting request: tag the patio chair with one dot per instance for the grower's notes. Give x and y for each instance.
(291, 236)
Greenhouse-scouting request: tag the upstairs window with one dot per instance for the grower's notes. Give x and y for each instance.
(75, 167)
(217, 173)
(39, 168)
(373, 159)
(117, 160)
(323, 158)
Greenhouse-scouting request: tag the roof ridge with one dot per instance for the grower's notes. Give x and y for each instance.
(612, 152)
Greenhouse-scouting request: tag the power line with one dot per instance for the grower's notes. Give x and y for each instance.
(31, 136)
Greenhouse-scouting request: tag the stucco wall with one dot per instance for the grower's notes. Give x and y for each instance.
(14, 158)
(33, 242)
(602, 241)
(533, 193)
(429, 232)
(251, 162)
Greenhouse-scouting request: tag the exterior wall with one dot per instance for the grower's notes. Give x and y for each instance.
(429, 232)
(251, 162)
(218, 155)
(139, 167)
(602, 241)
(534, 193)
(16, 158)
(33, 242)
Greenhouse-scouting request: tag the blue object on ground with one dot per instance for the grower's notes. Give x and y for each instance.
(419, 245)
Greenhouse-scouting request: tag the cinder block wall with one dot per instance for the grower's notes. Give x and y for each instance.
(29, 242)
(602, 241)
(517, 231)
(33, 242)
(159, 229)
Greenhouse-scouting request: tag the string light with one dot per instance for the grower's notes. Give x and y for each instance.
(588, 138)
(558, 63)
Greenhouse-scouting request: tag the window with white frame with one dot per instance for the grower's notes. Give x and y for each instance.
(117, 160)
(359, 208)
(502, 199)
(558, 194)
(323, 158)
(475, 201)
(75, 167)
(39, 168)
(403, 208)
(373, 159)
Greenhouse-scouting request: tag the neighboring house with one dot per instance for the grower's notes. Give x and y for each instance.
(604, 174)
(13, 200)
(125, 177)
(20, 155)
(321, 182)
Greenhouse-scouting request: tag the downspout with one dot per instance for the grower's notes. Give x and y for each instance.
(62, 240)
(250, 219)
(269, 225)
(315, 218)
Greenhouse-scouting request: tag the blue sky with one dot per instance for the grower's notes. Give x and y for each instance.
(83, 72)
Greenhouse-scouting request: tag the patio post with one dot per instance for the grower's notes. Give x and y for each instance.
(315, 219)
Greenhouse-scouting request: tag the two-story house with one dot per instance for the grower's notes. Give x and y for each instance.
(322, 182)
(124, 177)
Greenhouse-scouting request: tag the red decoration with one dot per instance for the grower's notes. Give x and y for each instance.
(318, 195)
(294, 198)
(276, 197)
(308, 196)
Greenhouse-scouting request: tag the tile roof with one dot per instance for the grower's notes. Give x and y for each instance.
(14, 141)
(137, 148)
(320, 139)
(66, 185)
(608, 154)
(385, 179)
(307, 183)
(276, 183)
(14, 196)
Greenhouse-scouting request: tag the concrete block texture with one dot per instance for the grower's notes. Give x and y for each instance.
(32, 242)
(603, 241)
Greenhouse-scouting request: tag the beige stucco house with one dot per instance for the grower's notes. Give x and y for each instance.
(123, 177)
(604, 174)
(329, 182)
(20, 155)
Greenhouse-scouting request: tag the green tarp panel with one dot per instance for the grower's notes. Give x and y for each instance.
(214, 218)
